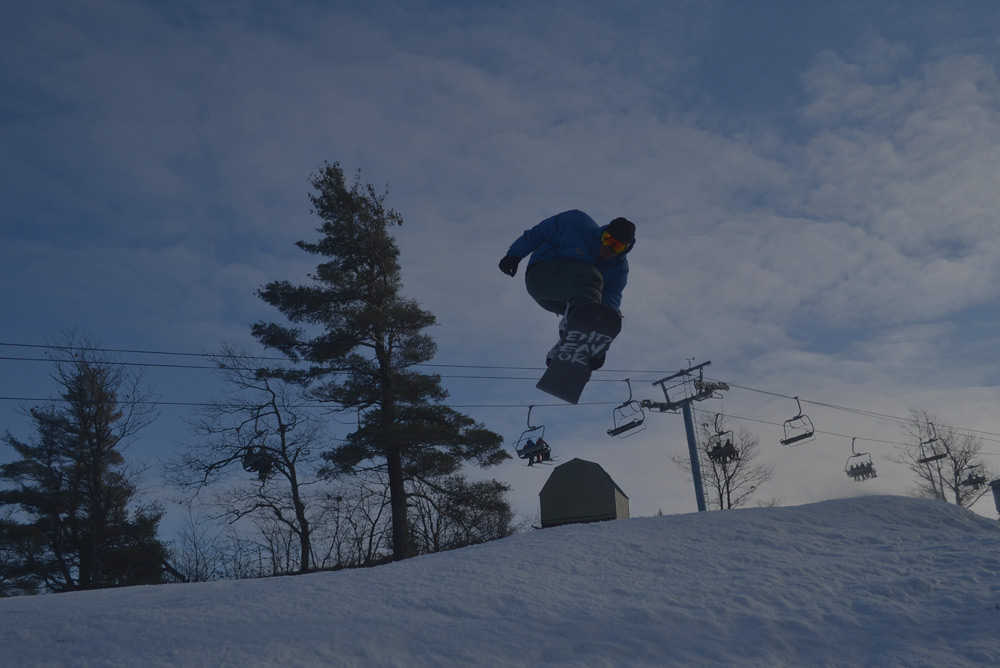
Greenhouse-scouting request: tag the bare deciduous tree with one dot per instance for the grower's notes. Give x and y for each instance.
(454, 512)
(197, 552)
(261, 431)
(947, 462)
(728, 470)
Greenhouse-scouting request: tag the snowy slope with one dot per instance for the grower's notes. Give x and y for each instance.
(874, 581)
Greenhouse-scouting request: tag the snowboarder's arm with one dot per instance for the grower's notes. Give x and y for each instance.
(546, 231)
(527, 244)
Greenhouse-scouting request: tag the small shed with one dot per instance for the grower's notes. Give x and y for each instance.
(580, 491)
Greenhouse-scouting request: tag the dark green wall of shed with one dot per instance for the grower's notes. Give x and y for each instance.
(581, 491)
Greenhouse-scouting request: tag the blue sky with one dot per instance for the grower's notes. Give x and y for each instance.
(814, 184)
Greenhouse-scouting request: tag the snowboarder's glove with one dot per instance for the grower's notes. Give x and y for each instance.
(508, 265)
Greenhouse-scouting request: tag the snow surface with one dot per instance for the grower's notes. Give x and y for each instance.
(873, 581)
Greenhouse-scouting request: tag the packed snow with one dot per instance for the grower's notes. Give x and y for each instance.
(873, 581)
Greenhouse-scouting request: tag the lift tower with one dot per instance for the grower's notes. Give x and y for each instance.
(693, 389)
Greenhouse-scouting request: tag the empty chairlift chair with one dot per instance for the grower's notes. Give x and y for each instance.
(932, 449)
(629, 417)
(798, 429)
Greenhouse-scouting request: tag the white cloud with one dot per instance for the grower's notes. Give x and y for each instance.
(175, 152)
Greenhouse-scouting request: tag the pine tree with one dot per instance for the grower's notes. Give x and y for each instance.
(363, 356)
(71, 521)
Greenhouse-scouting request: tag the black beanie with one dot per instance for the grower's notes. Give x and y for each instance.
(622, 229)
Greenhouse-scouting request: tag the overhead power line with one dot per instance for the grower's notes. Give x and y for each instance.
(859, 411)
(266, 358)
(645, 372)
(115, 363)
(817, 431)
(165, 365)
(223, 404)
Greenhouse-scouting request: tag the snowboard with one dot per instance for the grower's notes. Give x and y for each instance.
(590, 329)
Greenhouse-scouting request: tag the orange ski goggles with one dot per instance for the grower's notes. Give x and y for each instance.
(614, 244)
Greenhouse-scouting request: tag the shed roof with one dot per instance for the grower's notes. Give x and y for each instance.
(563, 471)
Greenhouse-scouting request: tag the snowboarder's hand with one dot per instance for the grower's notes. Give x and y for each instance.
(508, 265)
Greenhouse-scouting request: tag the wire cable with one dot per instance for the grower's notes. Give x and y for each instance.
(650, 372)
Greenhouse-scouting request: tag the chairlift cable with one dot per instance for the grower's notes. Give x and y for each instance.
(818, 431)
(872, 414)
(866, 413)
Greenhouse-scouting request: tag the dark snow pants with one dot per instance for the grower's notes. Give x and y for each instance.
(559, 282)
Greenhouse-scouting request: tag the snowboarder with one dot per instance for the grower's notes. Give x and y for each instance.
(574, 261)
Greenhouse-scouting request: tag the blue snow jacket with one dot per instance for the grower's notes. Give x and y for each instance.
(573, 234)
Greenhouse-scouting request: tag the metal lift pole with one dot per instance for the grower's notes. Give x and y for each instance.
(702, 390)
(699, 492)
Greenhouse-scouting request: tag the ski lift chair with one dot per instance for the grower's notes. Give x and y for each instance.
(720, 446)
(531, 445)
(257, 460)
(798, 429)
(859, 465)
(536, 451)
(863, 470)
(976, 478)
(724, 453)
(929, 452)
(628, 417)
